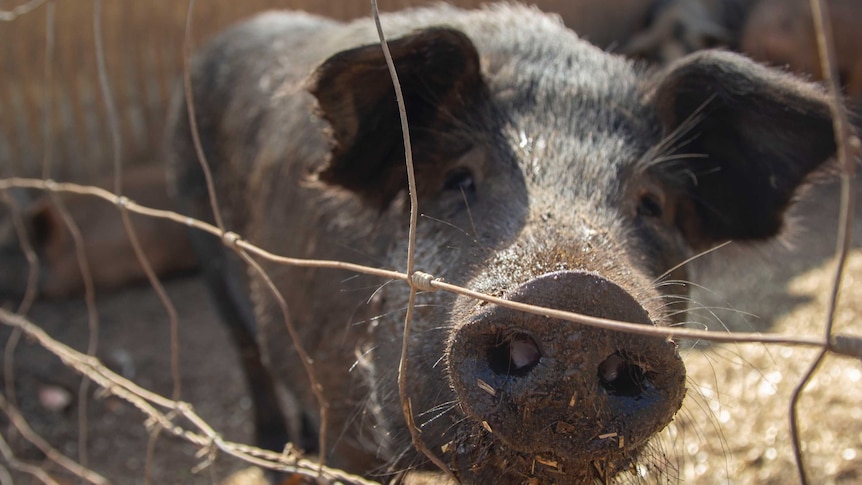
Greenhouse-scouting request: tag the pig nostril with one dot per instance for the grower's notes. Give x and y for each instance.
(515, 356)
(621, 377)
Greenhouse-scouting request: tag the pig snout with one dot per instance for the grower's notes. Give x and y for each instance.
(542, 385)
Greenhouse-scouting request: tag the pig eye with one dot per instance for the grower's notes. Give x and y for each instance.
(460, 180)
(650, 206)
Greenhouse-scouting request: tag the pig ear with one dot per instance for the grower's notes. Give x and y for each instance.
(439, 73)
(45, 223)
(754, 135)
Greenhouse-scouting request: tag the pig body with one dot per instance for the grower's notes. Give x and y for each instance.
(548, 171)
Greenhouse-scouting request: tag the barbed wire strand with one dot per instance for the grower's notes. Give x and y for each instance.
(77, 237)
(406, 404)
(74, 230)
(847, 146)
(147, 401)
(131, 233)
(228, 239)
(31, 291)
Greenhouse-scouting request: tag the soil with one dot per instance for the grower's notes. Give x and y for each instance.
(134, 341)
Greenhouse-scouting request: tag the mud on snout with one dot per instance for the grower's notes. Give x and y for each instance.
(556, 399)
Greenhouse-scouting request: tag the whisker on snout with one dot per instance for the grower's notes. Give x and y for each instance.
(689, 260)
(664, 150)
(702, 400)
(451, 405)
(470, 215)
(441, 406)
(379, 288)
(392, 312)
(678, 444)
(693, 307)
(683, 283)
(712, 309)
(361, 357)
(472, 238)
(375, 286)
(439, 361)
(350, 278)
(656, 161)
(376, 260)
(455, 424)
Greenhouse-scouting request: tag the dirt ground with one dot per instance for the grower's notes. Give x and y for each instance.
(134, 341)
(733, 427)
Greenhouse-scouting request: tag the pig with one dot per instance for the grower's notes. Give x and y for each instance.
(680, 27)
(110, 256)
(548, 172)
(782, 33)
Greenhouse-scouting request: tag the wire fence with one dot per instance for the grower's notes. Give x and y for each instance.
(170, 415)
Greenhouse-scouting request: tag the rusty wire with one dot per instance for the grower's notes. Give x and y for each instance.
(128, 226)
(406, 404)
(847, 145)
(844, 344)
(77, 238)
